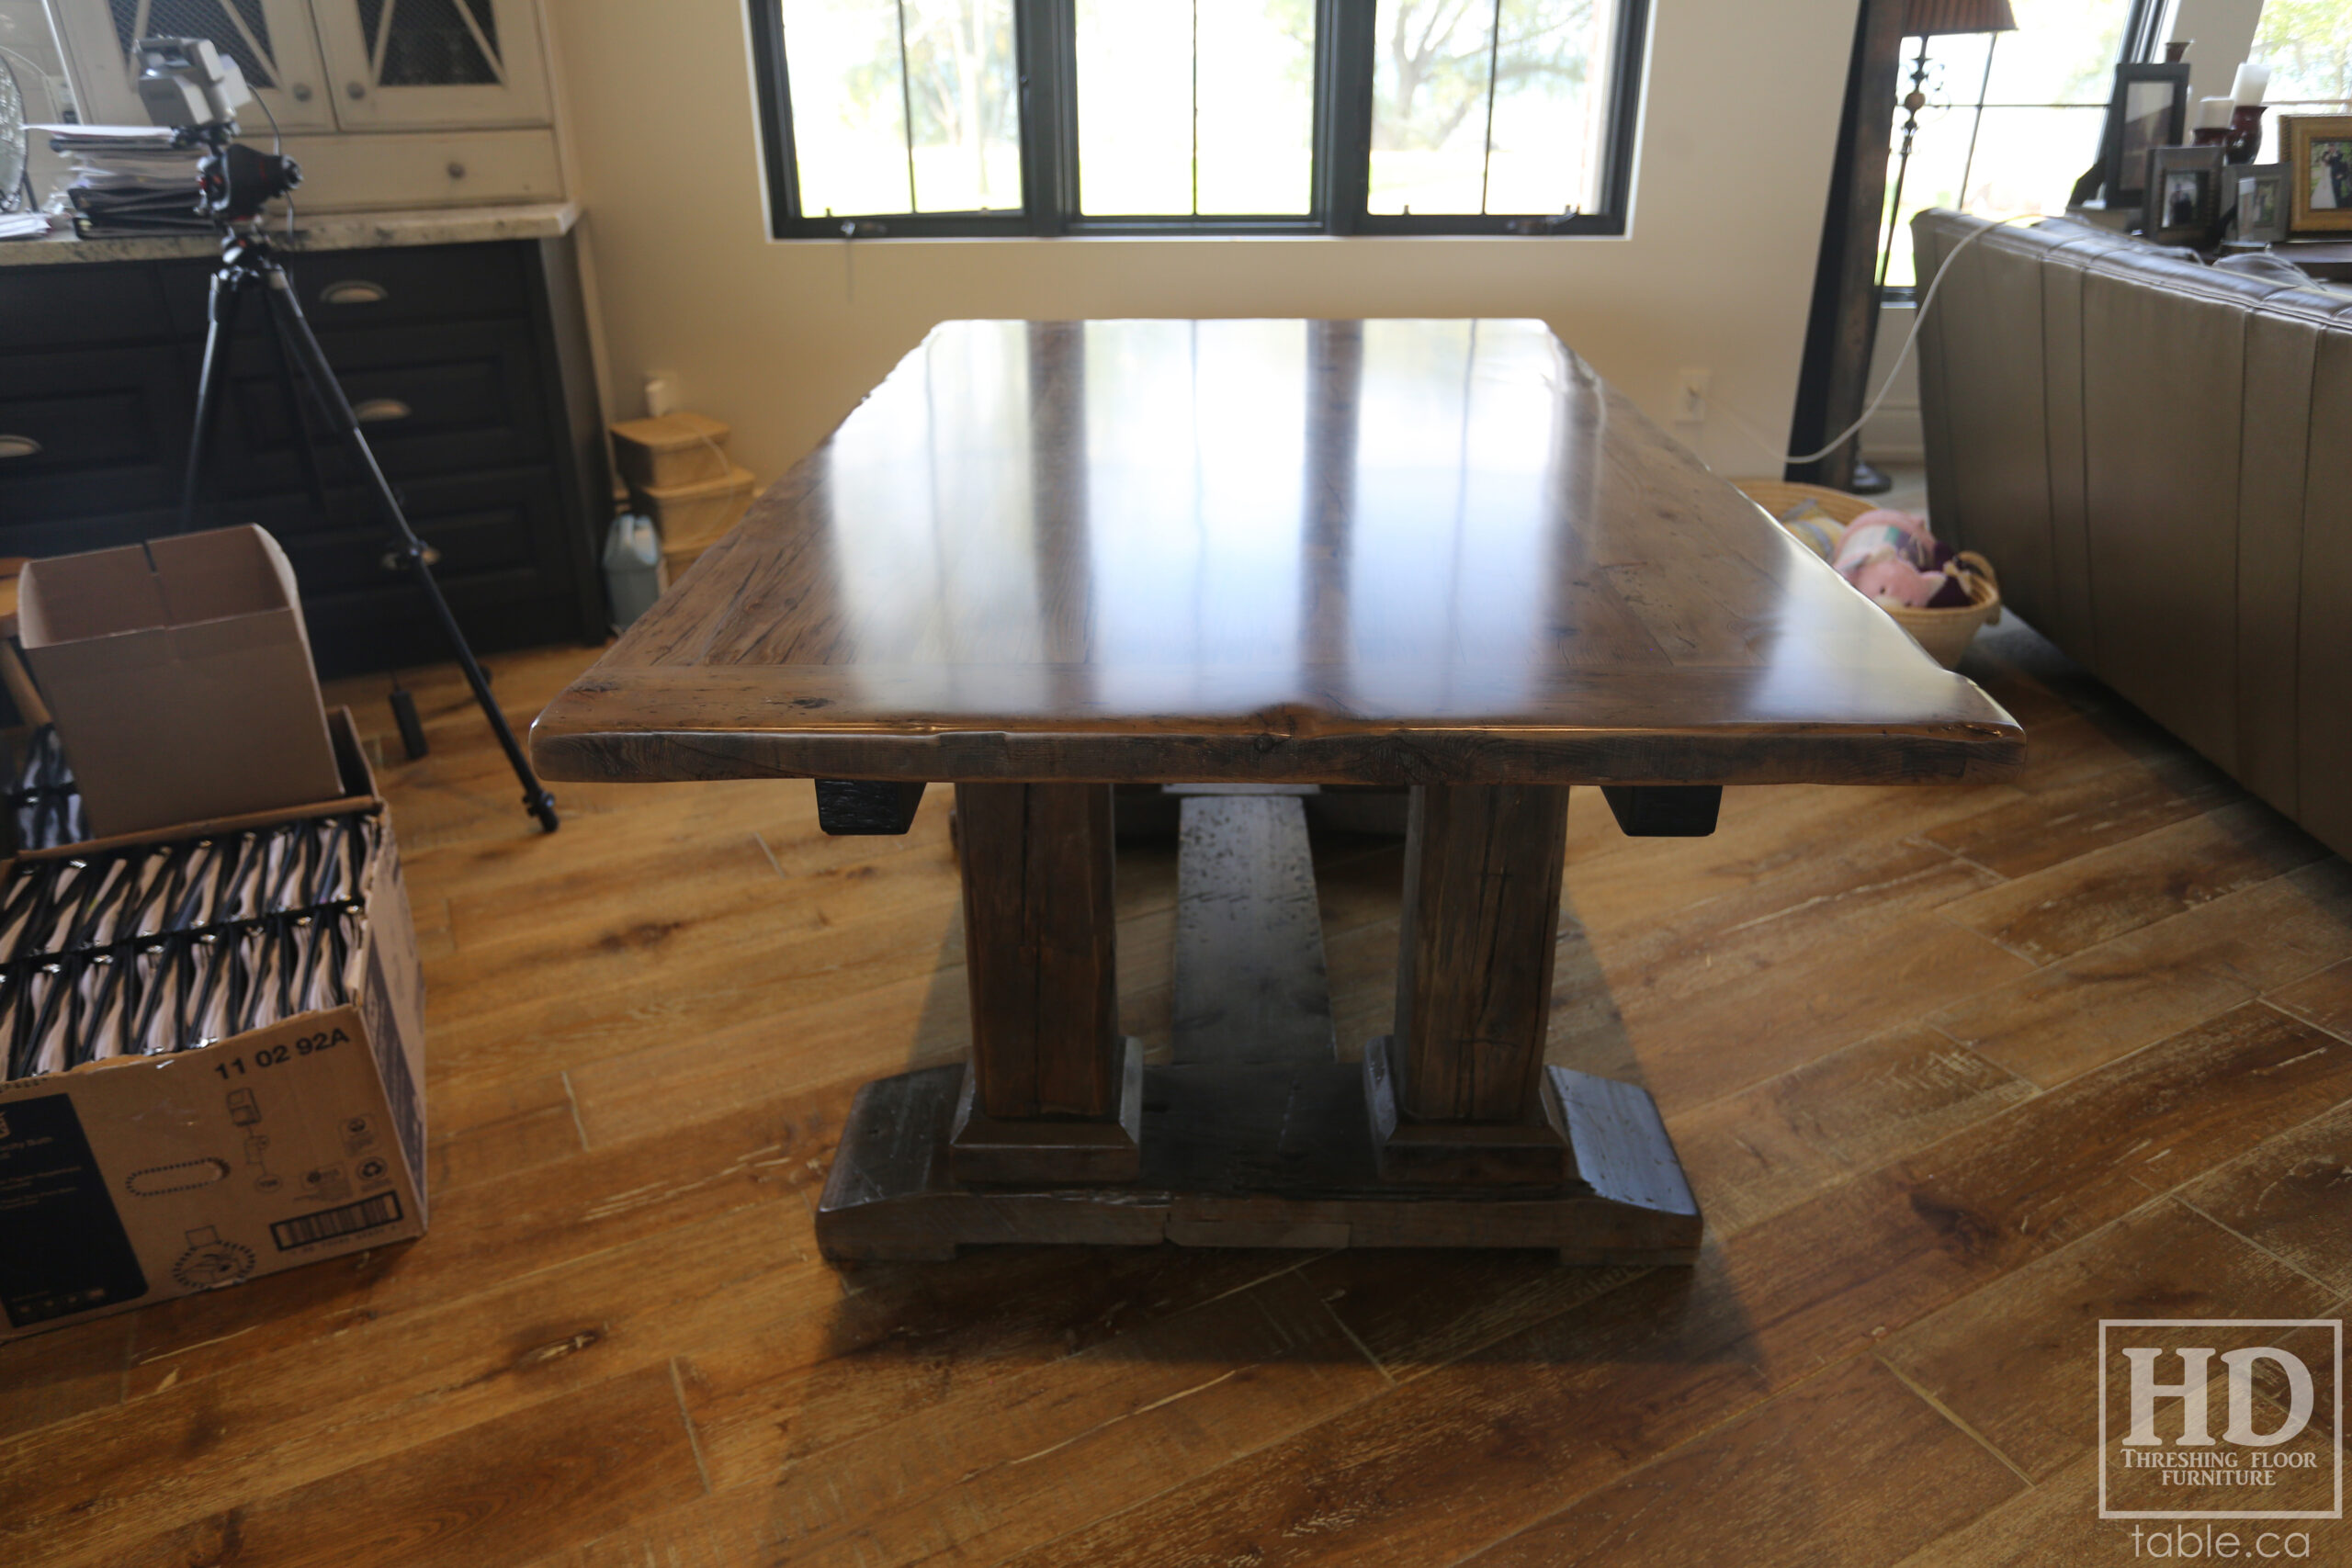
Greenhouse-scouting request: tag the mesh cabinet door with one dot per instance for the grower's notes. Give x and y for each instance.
(274, 40)
(427, 63)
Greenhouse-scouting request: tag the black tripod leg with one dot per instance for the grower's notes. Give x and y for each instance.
(312, 361)
(313, 479)
(227, 293)
(413, 738)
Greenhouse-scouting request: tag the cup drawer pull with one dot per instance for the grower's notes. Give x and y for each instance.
(380, 410)
(355, 291)
(18, 446)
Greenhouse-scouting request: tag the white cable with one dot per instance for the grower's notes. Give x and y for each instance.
(1918, 319)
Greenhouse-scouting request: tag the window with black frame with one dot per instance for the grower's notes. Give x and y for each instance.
(1053, 117)
(2012, 119)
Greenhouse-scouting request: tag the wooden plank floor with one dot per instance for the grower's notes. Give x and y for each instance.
(1955, 1072)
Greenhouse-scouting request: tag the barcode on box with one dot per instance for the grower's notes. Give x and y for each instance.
(384, 1209)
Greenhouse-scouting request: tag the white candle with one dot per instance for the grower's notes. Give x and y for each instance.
(2252, 83)
(2213, 114)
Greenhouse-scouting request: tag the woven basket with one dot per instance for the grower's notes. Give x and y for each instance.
(1945, 634)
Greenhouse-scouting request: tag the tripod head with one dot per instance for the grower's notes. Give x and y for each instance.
(188, 85)
(234, 182)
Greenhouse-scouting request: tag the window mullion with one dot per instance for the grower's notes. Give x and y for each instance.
(1494, 64)
(906, 107)
(1045, 35)
(1344, 45)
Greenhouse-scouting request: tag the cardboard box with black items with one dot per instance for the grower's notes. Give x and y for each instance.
(179, 675)
(137, 1177)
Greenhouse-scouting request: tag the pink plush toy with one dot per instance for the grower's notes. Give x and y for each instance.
(1885, 529)
(1886, 577)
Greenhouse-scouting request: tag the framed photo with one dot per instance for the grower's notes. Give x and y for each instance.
(2150, 109)
(2263, 202)
(2319, 172)
(2184, 195)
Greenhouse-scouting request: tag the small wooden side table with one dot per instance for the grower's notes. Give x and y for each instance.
(1043, 559)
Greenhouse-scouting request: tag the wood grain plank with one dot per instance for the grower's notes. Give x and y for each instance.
(1251, 984)
(2117, 996)
(57, 1376)
(2292, 1197)
(2095, 897)
(1022, 1461)
(2324, 998)
(359, 1399)
(1679, 1005)
(2109, 806)
(2018, 1360)
(1751, 1154)
(491, 1496)
(905, 1339)
(1904, 1476)
(1473, 969)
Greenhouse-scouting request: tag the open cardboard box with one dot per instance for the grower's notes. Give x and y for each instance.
(138, 1179)
(190, 648)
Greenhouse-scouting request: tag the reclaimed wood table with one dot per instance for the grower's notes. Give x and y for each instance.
(1044, 558)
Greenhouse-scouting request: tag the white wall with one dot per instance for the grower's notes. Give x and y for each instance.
(781, 338)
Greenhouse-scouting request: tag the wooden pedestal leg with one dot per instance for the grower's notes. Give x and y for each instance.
(1459, 1093)
(1053, 1094)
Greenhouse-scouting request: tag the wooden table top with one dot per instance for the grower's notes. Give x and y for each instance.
(1296, 551)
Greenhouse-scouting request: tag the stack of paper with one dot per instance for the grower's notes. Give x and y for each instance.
(129, 179)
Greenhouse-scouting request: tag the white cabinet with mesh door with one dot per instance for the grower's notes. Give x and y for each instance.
(432, 64)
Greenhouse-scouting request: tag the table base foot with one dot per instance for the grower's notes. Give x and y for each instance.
(1277, 1156)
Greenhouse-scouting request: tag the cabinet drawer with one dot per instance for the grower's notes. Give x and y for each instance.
(69, 304)
(375, 289)
(104, 430)
(481, 526)
(433, 400)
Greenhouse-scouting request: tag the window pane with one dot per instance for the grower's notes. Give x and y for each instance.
(1938, 156)
(1955, 71)
(2063, 52)
(2027, 160)
(1257, 106)
(1443, 143)
(964, 91)
(1428, 104)
(2308, 46)
(1135, 106)
(859, 69)
(1199, 108)
(1551, 106)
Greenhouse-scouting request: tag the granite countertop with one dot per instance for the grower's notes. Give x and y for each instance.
(325, 232)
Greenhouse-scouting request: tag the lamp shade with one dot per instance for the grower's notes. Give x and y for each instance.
(1932, 18)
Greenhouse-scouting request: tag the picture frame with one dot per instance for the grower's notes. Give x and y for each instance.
(2148, 110)
(2319, 172)
(2262, 202)
(2182, 204)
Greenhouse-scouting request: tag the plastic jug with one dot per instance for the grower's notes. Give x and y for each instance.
(634, 573)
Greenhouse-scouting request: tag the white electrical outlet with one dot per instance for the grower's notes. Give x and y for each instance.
(1691, 387)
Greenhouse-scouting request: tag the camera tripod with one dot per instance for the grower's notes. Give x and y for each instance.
(233, 184)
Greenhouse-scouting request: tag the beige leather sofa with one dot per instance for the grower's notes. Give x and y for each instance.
(2157, 458)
